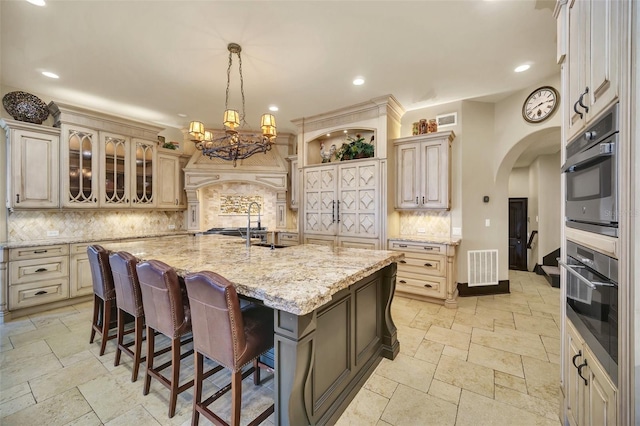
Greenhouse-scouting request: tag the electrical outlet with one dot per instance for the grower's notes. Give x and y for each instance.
(172, 227)
(52, 233)
(456, 231)
(421, 230)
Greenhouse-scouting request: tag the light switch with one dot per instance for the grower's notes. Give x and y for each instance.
(487, 223)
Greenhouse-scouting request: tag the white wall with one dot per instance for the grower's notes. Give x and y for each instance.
(549, 201)
(519, 182)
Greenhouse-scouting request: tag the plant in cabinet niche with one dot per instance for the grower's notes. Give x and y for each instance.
(169, 145)
(356, 148)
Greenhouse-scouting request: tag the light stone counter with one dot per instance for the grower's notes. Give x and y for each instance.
(453, 241)
(297, 279)
(82, 239)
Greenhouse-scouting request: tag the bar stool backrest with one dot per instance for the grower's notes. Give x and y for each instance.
(125, 281)
(216, 319)
(101, 272)
(162, 298)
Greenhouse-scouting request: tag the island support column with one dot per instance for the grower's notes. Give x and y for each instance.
(324, 357)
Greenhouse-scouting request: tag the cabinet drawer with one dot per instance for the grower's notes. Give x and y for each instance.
(424, 264)
(417, 247)
(284, 237)
(38, 252)
(26, 271)
(81, 248)
(422, 285)
(38, 293)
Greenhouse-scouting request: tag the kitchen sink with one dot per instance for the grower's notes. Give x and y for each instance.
(272, 246)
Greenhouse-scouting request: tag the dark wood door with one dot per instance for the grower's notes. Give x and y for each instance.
(518, 234)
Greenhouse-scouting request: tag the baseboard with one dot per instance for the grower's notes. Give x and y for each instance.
(501, 288)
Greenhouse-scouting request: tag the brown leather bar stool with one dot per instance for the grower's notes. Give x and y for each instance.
(228, 335)
(104, 294)
(167, 311)
(129, 294)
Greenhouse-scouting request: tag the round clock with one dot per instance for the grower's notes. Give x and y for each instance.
(540, 104)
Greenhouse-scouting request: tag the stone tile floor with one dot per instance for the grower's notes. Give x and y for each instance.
(492, 361)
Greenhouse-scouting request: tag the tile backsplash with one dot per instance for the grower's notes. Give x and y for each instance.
(217, 213)
(434, 222)
(34, 225)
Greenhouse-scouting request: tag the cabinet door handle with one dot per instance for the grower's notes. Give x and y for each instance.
(423, 199)
(402, 281)
(573, 360)
(402, 245)
(95, 200)
(428, 248)
(40, 251)
(429, 265)
(417, 201)
(17, 198)
(333, 211)
(176, 201)
(193, 215)
(338, 212)
(580, 367)
(403, 261)
(41, 270)
(40, 293)
(575, 109)
(586, 108)
(428, 286)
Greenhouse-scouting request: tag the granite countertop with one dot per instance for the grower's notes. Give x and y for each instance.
(452, 241)
(296, 279)
(76, 240)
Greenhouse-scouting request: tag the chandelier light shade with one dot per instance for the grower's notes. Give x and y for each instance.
(233, 146)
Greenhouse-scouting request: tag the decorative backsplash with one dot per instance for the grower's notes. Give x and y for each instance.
(32, 226)
(225, 205)
(435, 223)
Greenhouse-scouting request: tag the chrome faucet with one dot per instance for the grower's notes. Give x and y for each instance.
(249, 221)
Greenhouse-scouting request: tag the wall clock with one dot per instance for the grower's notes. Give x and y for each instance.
(540, 104)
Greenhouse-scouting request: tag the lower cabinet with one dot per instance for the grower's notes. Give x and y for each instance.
(288, 238)
(81, 282)
(591, 396)
(347, 242)
(427, 271)
(38, 275)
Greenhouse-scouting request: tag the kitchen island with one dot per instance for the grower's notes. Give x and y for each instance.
(331, 309)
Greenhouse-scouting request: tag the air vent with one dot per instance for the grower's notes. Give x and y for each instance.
(482, 267)
(446, 120)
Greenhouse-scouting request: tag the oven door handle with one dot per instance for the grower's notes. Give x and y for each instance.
(587, 162)
(591, 284)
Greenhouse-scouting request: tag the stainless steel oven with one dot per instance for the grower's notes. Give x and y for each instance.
(592, 302)
(591, 172)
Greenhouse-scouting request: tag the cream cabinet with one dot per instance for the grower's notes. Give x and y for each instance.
(341, 203)
(287, 238)
(591, 396)
(593, 61)
(294, 182)
(32, 165)
(170, 193)
(38, 275)
(427, 271)
(106, 161)
(423, 171)
(80, 280)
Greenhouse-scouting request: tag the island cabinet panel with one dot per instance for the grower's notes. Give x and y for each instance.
(330, 353)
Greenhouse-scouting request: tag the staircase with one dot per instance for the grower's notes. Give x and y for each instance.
(549, 268)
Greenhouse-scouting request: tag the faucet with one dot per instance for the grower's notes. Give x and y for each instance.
(249, 221)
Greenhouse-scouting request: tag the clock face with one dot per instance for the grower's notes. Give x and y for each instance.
(540, 104)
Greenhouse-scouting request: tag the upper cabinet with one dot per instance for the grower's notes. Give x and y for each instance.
(109, 162)
(32, 165)
(170, 180)
(592, 61)
(423, 171)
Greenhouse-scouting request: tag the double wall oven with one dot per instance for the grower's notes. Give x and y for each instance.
(591, 176)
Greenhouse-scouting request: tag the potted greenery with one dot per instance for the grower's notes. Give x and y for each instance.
(355, 148)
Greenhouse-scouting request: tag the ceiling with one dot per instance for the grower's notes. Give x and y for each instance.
(153, 60)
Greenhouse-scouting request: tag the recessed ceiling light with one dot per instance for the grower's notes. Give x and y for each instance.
(522, 68)
(359, 81)
(182, 115)
(37, 2)
(328, 134)
(273, 108)
(344, 131)
(50, 74)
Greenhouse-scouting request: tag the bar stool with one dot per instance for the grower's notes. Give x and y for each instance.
(128, 293)
(166, 311)
(104, 294)
(228, 335)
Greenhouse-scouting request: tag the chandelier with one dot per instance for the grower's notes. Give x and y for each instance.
(233, 145)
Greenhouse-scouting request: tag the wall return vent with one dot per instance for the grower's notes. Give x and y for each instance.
(446, 120)
(482, 267)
